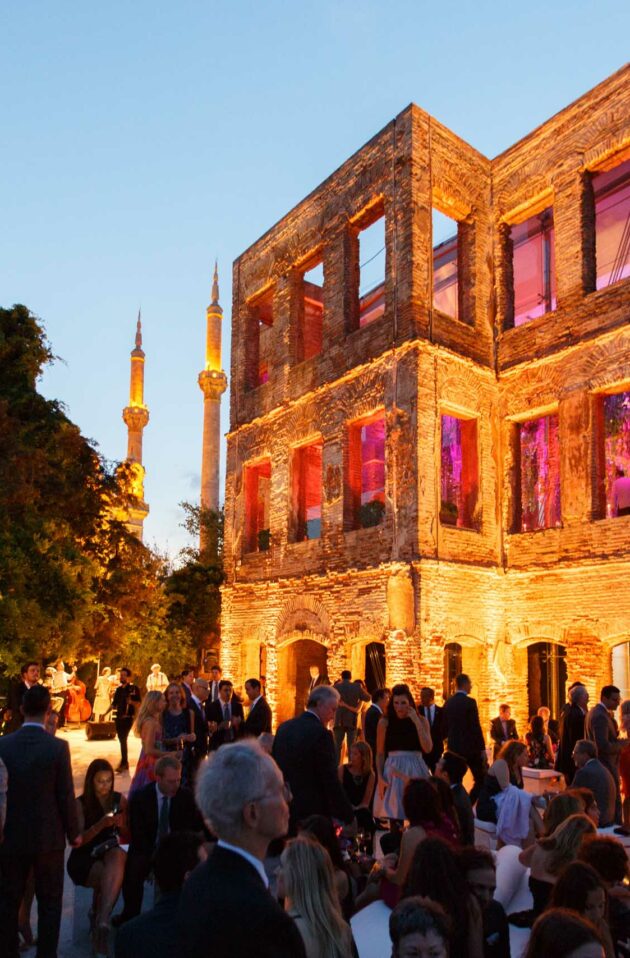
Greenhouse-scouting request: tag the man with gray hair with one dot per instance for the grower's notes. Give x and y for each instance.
(592, 774)
(571, 729)
(226, 908)
(305, 751)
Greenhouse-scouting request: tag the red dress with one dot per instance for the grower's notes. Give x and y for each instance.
(624, 771)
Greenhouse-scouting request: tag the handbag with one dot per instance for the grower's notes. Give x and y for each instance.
(101, 849)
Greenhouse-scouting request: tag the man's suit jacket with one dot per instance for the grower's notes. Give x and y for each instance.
(214, 713)
(462, 727)
(437, 734)
(41, 807)
(497, 733)
(14, 702)
(200, 728)
(595, 775)
(463, 807)
(601, 728)
(143, 817)
(225, 910)
(259, 719)
(350, 693)
(372, 718)
(571, 731)
(153, 933)
(305, 752)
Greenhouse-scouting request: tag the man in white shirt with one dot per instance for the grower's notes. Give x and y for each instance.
(215, 681)
(621, 494)
(156, 680)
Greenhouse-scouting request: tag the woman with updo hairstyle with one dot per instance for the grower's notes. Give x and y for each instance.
(401, 737)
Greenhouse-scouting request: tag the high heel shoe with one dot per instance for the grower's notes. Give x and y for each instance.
(101, 939)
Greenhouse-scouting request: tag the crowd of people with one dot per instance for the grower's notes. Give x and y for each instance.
(348, 818)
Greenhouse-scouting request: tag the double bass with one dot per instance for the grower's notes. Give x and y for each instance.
(78, 709)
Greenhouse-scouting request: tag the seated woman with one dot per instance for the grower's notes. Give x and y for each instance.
(608, 857)
(589, 802)
(580, 889)
(503, 801)
(357, 779)
(553, 853)
(561, 933)
(322, 830)
(539, 747)
(307, 884)
(99, 862)
(435, 874)
(418, 926)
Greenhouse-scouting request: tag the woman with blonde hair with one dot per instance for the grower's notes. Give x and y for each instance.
(553, 853)
(306, 882)
(357, 780)
(148, 727)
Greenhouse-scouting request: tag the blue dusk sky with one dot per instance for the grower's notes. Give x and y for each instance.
(142, 140)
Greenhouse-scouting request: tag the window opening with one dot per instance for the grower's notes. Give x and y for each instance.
(312, 315)
(611, 191)
(540, 473)
(372, 272)
(307, 491)
(366, 478)
(445, 264)
(452, 667)
(617, 453)
(533, 267)
(258, 345)
(459, 472)
(257, 497)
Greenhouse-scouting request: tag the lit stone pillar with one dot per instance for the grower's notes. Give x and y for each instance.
(136, 417)
(213, 383)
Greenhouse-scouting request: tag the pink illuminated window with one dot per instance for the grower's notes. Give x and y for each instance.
(257, 489)
(540, 473)
(617, 453)
(445, 264)
(372, 272)
(366, 473)
(533, 267)
(612, 224)
(459, 472)
(307, 491)
(258, 345)
(311, 326)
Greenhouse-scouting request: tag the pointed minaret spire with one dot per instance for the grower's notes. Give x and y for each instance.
(213, 383)
(215, 285)
(139, 330)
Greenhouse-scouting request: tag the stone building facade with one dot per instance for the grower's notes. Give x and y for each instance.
(358, 534)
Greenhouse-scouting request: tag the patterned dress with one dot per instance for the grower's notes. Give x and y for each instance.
(145, 769)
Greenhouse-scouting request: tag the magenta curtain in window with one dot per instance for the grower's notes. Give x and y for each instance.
(540, 473)
(616, 441)
(459, 472)
(373, 461)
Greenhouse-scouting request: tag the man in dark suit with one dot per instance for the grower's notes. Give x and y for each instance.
(215, 680)
(225, 907)
(188, 677)
(350, 695)
(502, 728)
(463, 731)
(124, 703)
(225, 717)
(259, 717)
(198, 699)
(376, 711)
(600, 727)
(154, 934)
(592, 774)
(433, 715)
(305, 751)
(29, 676)
(158, 809)
(452, 768)
(41, 814)
(572, 722)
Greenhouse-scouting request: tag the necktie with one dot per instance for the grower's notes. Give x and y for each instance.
(163, 819)
(226, 713)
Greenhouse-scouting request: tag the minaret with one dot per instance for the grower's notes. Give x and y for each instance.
(213, 383)
(136, 416)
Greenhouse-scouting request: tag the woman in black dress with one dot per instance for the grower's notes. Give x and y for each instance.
(357, 779)
(99, 862)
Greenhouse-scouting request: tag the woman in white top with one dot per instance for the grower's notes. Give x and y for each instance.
(306, 882)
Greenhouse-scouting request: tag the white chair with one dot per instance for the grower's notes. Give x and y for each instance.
(485, 835)
(370, 929)
(513, 893)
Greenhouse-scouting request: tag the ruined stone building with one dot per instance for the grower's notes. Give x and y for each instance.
(430, 414)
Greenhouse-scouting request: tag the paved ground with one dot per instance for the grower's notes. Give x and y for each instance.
(82, 754)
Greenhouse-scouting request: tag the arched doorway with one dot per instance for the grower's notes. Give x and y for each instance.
(452, 667)
(546, 677)
(294, 679)
(375, 666)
